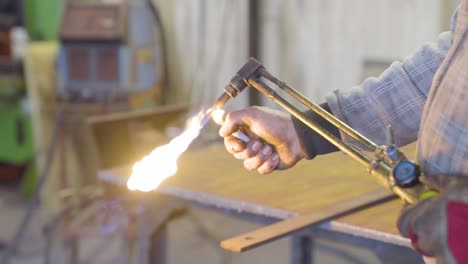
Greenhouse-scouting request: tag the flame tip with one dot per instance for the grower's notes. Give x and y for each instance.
(161, 163)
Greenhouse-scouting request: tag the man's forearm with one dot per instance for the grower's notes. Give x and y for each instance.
(396, 97)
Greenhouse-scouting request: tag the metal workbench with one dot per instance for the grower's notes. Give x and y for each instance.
(211, 178)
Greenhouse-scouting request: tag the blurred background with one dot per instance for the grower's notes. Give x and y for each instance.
(72, 73)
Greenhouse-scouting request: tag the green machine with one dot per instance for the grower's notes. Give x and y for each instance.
(16, 140)
(42, 18)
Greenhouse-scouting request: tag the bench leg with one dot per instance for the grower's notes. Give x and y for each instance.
(302, 249)
(158, 246)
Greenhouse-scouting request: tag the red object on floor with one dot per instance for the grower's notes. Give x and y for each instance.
(457, 230)
(10, 173)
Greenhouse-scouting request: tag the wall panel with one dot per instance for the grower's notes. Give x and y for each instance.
(314, 45)
(321, 45)
(207, 43)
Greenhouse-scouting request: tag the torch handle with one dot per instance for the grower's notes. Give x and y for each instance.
(241, 136)
(219, 115)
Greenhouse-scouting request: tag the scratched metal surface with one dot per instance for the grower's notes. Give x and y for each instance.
(212, 177)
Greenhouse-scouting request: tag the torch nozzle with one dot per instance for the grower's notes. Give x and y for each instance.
(217, 113)
(222, 100)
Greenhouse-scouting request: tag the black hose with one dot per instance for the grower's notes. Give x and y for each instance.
(162, 35)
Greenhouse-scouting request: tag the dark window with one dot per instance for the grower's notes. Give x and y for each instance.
(78, 66)
(108, 64)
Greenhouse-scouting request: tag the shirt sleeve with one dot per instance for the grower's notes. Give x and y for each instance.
(395, 98)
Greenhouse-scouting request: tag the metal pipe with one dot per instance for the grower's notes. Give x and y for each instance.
(222, 100)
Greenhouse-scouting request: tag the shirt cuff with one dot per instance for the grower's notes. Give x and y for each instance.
(312, 144)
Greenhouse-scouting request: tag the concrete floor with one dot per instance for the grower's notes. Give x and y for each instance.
(193, 238)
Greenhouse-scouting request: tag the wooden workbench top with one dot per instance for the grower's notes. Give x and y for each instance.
(212, 177)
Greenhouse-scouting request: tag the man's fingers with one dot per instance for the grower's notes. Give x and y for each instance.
(256, 161)
(234, 145)
(233, 121)
(270, 165)
(252, 148)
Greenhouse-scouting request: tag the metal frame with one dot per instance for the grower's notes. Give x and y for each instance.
(305, 243)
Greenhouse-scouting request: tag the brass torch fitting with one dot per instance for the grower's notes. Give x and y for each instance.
(239, 82)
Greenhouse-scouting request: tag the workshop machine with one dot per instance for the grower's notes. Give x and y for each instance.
(16, 140)
(110, 52)
(42, 18)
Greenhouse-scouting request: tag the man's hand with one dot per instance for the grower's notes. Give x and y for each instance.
(438, 227)
(273, 145)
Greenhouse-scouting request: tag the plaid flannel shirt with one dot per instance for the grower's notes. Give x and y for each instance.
(425, 97)
(443, 137)
(404, 95)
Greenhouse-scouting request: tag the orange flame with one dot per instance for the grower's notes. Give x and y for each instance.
(161, 163)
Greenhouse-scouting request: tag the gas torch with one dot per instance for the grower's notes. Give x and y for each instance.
(386, 163)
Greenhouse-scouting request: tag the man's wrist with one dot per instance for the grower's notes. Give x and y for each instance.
(310, 142)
